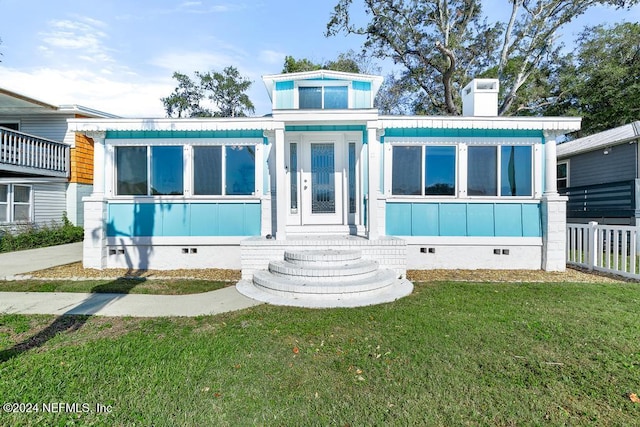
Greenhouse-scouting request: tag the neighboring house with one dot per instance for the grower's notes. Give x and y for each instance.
(600, 176)
(326, 171)
(44, 170)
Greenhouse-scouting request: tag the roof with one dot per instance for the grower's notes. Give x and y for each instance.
(16, 104)
(597, 141)
(270, 80)
(550, 125)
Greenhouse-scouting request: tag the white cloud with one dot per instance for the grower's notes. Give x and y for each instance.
(83, 34)
(189, 62)
(123, 97)
(272, 57)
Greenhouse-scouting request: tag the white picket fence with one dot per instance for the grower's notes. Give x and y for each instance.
(607, 248)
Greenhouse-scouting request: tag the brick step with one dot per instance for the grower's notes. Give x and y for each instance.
(327, 257)
(281, 285)
(360, 269)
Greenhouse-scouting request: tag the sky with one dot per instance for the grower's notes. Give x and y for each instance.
(118, 56)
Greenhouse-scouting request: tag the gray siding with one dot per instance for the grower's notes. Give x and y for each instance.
(596, 168)
(52, 127)
(49, 202)
(75, 207)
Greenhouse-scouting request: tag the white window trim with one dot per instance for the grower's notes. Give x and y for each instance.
(321, 84)
(10, 204)
(499, 173)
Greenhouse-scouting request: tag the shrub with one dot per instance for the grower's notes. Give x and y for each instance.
(32, 236)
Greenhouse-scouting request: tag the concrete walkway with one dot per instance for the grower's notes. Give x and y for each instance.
(135, 305)
(21, 262)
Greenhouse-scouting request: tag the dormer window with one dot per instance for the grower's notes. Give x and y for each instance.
(323, 97)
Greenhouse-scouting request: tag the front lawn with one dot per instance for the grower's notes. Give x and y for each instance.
(450, 354)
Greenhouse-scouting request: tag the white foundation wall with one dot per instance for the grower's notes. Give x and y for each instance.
(474, 253)
(173, 257)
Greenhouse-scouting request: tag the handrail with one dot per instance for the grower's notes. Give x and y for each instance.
(21, 150)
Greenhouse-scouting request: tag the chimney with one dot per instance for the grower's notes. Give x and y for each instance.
(480, 98)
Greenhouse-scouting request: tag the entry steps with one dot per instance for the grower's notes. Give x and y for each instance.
(325, 278)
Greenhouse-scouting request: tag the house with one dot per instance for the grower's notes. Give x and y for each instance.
(600, 176)
(326, 172)
(44, 170)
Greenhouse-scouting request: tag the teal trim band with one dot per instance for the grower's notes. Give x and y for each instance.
(464, 219)
(151, 134)
(183, 219)
(487, 133)
(330, 128)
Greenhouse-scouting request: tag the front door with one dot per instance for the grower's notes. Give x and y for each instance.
(322, 181)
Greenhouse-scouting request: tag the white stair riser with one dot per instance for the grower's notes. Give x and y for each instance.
(270, 282)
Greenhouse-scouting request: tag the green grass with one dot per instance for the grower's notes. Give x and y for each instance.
(450, 354)
(132, 286)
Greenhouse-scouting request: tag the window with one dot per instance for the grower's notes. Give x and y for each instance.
(421, 170)
(4, 203)
(10, 125)
(515, 172)
(293, 176)
(563, 175)
(323, 97)
(15, 203)
(132, 171)
(228, 170)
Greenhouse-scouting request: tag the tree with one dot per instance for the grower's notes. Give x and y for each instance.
(442, 44)
(348, 62)
(185, 99)
(225, 90)
(601, 80)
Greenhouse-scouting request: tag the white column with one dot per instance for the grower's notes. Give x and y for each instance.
(373, 151)
(551, 165)
(554, 213)
(281, 192)
(94, 250)
(98, 162)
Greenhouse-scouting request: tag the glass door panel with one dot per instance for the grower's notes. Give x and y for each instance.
(323, 182)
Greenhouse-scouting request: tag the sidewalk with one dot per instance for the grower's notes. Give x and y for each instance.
(100, 304)
(134, 305)
(21, 262)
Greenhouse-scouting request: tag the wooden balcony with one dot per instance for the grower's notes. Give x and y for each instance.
(28, 154)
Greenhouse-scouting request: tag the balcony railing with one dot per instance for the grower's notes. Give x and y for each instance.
(23, 153)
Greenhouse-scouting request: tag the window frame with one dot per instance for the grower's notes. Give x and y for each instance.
(423, 147)
(566, 178)
(462, 169)
(10, 204)
(223, 172)
(498, 148)
(149, 165)
(321, 84)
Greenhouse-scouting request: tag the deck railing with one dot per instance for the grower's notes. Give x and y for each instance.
(20, 152)
(606, 248)
(610, 200)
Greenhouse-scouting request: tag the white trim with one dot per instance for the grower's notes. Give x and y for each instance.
(558, 124)
(408, 140)
(472, 241)
(175, 240)
(183, 141)
(183, 199)
(170, 124)
(451, 199)
(11, 203)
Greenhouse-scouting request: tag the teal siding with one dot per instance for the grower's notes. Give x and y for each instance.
(361, 94)
(183, 219)
(152, 134)
(284, 95)
(463, 219)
